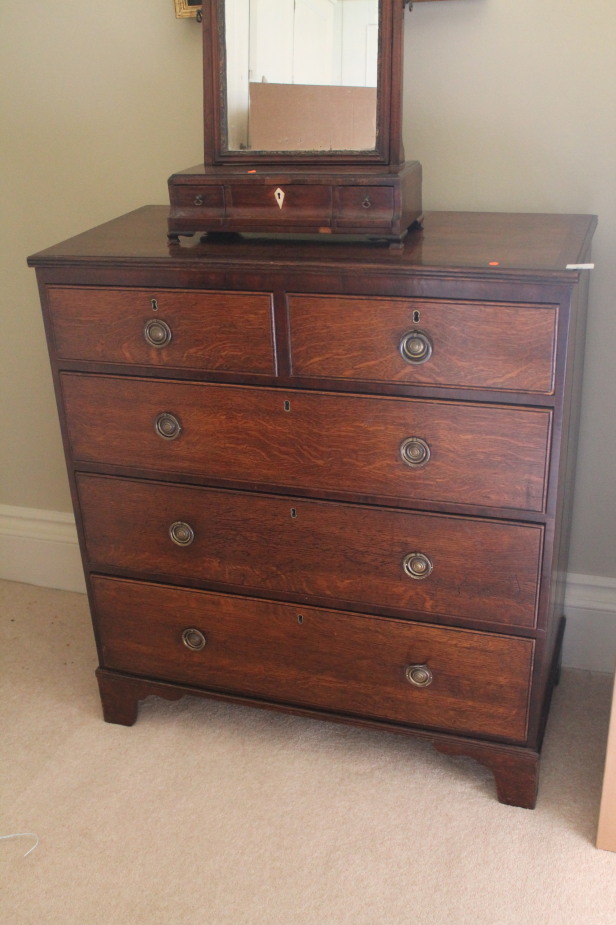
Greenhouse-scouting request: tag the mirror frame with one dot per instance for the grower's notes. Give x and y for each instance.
(388, 150)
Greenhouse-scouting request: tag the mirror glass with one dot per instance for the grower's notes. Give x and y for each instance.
(301, 75)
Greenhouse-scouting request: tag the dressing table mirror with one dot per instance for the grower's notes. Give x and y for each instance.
(303, 122)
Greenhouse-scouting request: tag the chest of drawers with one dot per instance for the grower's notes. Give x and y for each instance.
(334, 480)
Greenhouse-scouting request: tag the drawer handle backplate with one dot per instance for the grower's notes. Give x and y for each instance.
(417, 565)
(182, 534)
(416, 347)
(167, 426)
(415, 452)
(157, 333)
(418, 675)
(194, 639)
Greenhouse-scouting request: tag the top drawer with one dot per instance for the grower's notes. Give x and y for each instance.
(473, 345)
(168, 328)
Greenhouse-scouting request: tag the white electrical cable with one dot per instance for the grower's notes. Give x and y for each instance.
(24, 835)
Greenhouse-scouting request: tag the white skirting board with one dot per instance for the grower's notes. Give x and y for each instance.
(40, 548)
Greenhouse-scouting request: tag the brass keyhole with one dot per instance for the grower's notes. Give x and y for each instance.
(416, 316)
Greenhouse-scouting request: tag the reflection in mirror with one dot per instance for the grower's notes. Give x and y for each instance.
(301, 74)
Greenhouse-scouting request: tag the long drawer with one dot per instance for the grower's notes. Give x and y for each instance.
(465, 568)
(463, 344)
(167, 328)
(404, 672)
(405, 449)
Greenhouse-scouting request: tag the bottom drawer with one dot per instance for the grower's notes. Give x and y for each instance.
(329, 660)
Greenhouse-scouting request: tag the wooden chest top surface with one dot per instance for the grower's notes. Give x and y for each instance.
(489, 243)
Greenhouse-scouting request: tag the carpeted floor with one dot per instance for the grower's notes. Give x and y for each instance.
(209, 814)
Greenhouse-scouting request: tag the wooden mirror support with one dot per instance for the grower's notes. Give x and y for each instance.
(267, 179)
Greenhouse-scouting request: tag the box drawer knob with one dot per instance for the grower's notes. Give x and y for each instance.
(181, 533)
(157, 333)
(167, 426)
(416, 347)
(417, 565)
(418, 675)
(415, 452)
(194, 639)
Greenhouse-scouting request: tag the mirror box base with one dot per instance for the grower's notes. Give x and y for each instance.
(376, 201)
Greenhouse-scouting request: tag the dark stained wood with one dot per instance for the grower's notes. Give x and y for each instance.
(255, 204)
(486, 246)
(209, 330)
(326, 659)
(499, 346)
(484, 570)
(516, 773)
(481, 455)
(310, 510)
(230, 199)
(120, 696)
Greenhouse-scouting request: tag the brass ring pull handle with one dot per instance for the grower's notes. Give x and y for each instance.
(157, 333)
(181, 533)
(416, 347)
(167, 426)
(194, 639)
(417, 565)
(418, 675)
(415, 452)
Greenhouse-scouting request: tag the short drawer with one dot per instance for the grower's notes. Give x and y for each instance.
(475, 683)
(483, 571)
(279, 205)
(193, 204)
(475, 345)
(181, 328)
(203, 199)
(406, 449)
(365, 206)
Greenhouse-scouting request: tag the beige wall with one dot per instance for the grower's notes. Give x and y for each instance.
(99, 104)
(510, 105)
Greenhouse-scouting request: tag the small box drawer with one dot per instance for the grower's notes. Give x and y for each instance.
(205, 199)
(195, 204)
(455, 344)
(400, 448)
(469, 569)
(292, 204)
(340, 662)
(171, 328)
(365, 206)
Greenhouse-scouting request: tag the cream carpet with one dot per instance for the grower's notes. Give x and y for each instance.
(210, 814)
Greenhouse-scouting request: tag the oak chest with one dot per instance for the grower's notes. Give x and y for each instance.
(333, 479)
